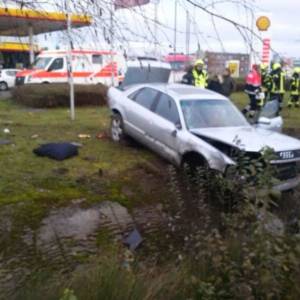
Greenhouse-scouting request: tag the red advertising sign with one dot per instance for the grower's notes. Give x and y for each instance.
(129, 3)
(266, 51)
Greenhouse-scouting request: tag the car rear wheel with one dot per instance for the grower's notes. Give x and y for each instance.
(117, 129)
(3, 86)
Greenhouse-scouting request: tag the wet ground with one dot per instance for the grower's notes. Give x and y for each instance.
(68, 235)
(5, 94)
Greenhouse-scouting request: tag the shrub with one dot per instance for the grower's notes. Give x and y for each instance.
(107, 279)
(234, 253)
(239, 84)
(55, 95)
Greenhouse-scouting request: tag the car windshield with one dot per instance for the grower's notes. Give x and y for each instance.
(41, 62)
(211, 113)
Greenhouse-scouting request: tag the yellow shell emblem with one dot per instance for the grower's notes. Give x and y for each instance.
(263, 23)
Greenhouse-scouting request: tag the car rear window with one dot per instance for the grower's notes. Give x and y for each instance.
(145, 97)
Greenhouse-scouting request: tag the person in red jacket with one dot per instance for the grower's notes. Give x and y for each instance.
(252, 88)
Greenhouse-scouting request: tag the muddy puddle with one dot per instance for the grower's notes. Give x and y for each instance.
(67, 235)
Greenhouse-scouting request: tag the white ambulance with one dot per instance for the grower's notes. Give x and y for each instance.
(89, 67)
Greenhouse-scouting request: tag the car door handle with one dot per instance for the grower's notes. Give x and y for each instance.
(174, 133)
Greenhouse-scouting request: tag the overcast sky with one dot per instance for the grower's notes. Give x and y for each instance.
(135, 28)
(284, 32)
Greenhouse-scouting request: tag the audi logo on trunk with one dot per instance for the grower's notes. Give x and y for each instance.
(287, 155)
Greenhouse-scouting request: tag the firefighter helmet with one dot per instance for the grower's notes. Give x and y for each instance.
(199, 62)
(276, 66)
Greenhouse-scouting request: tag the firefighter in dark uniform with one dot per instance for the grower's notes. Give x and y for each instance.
(278, 83)
(266, 81)
(294, 89)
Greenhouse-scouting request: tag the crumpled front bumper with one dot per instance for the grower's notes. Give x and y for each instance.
(287, 184)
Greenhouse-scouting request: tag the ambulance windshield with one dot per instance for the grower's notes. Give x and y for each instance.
(41, 62)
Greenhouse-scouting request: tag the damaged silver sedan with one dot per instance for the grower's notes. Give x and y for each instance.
(185, 124)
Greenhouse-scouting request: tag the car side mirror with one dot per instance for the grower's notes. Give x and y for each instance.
(274, 124)
(264, 121)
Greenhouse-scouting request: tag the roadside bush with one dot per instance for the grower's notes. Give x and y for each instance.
(238, 252)
(239, 84)
(57, 95)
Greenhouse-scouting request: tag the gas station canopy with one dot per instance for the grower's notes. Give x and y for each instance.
(19, 22)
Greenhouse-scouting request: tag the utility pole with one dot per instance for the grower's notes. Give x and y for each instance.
(69, 60)
(188, 33)
(112, 37)
(31, 46)
(155, 26)
(175, 35)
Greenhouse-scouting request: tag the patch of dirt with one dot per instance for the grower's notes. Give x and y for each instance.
(68, 233)
(294, 132)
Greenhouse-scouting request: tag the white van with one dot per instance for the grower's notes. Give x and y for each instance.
(89, 67)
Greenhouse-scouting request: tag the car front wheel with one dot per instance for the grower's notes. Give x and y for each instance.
(3, 86)
(117, 129)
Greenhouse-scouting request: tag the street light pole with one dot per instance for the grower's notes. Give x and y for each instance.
(155, 28)
(69, 60)
(188, 33)
(31, 46)
(175, 36)
(112, 37)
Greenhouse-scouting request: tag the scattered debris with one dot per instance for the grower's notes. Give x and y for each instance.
(128, 260)
(34, 136)
(133, 240)
(57, 151)
(84, 136)
(5, 142)
(6, 131)
(102, 135)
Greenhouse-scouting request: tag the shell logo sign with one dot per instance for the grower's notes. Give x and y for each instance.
(263, 23)
(234, 67)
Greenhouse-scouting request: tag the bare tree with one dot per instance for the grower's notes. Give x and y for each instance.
(139, 26)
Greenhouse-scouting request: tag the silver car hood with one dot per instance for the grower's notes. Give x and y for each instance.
(249, 138)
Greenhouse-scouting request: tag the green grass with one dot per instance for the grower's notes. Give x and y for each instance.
(33, 185)
(290, 116)
(26, 177)
(101, 171)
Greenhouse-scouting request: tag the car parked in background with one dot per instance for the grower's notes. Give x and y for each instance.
(7, 78)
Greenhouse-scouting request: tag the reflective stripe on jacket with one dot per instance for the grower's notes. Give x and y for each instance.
(278, 79)
(295, 85)
(200, 79)
(266, 79)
